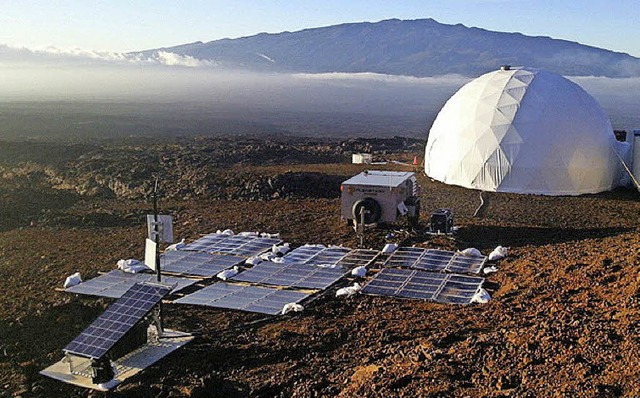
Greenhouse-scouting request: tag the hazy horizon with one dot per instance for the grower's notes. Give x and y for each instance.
(109, 94)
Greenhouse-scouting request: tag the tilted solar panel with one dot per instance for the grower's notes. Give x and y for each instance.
(305, 276)
(244, 298)
(103, 333)
(197, 263)
(116, 282)
(439, 287)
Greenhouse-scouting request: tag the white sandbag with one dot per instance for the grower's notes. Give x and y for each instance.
(249, 234)
(268, 256)
(280, 249)
(349, 290)
(227, 232)
(292, 307)
(360, 271)
(272, 236)
(389, 248)
(176, 246)
(498, 253)
(471, 252)
(481, 297)
(255, 260)
(132, 266)
(490, 270)
(72, 280)
(327, 265)
(228, 273)
(279, 260)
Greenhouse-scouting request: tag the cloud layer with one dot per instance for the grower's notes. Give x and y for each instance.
(183, 81)
(78, 57)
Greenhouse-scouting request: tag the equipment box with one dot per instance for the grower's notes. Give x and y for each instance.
(441, 221)
(382, 194)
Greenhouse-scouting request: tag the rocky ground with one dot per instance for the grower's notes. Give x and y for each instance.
(563, 319)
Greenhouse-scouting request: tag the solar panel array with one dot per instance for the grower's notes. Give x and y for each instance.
(435, 260)
(438, 287)
(197, 263)
(103, 333)
(115, 283)
(245, 298)
(239, 245)
(297, 275)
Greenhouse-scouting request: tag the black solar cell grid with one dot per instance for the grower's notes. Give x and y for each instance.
(303, 254)
(245, 298)
(467, 264)
(357, 258)
(330, 255)
(404, 257)
(205, 242)
(103, 333)
(116, 282)
(197, 263)
(304, 276)
(435, 260)
(407, 283)
(241, 245)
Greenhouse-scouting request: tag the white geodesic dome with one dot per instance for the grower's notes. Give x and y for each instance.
(523, 131)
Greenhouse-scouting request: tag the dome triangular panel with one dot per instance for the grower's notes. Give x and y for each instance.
(524, 131)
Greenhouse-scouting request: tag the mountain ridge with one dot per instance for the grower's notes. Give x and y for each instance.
(419, 47)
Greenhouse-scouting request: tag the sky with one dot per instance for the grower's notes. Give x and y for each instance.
(122, 26)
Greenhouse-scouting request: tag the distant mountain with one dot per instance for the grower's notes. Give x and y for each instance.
(421, 47)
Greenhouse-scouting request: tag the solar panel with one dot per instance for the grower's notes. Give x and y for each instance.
(197, 263)
(205, 242)
(357, 258)
(435, 260)
(241, 245)
(115, 283)
(466, 264)
(304, 253)
(317, 254)
(103, 333)
(262, 300)
(330, 255)
(298, 275)
(404, 257)
(442, 288)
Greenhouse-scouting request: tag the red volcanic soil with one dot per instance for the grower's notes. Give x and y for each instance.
(563, 319)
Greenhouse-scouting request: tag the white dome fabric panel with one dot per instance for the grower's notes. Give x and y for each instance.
(523, 131)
